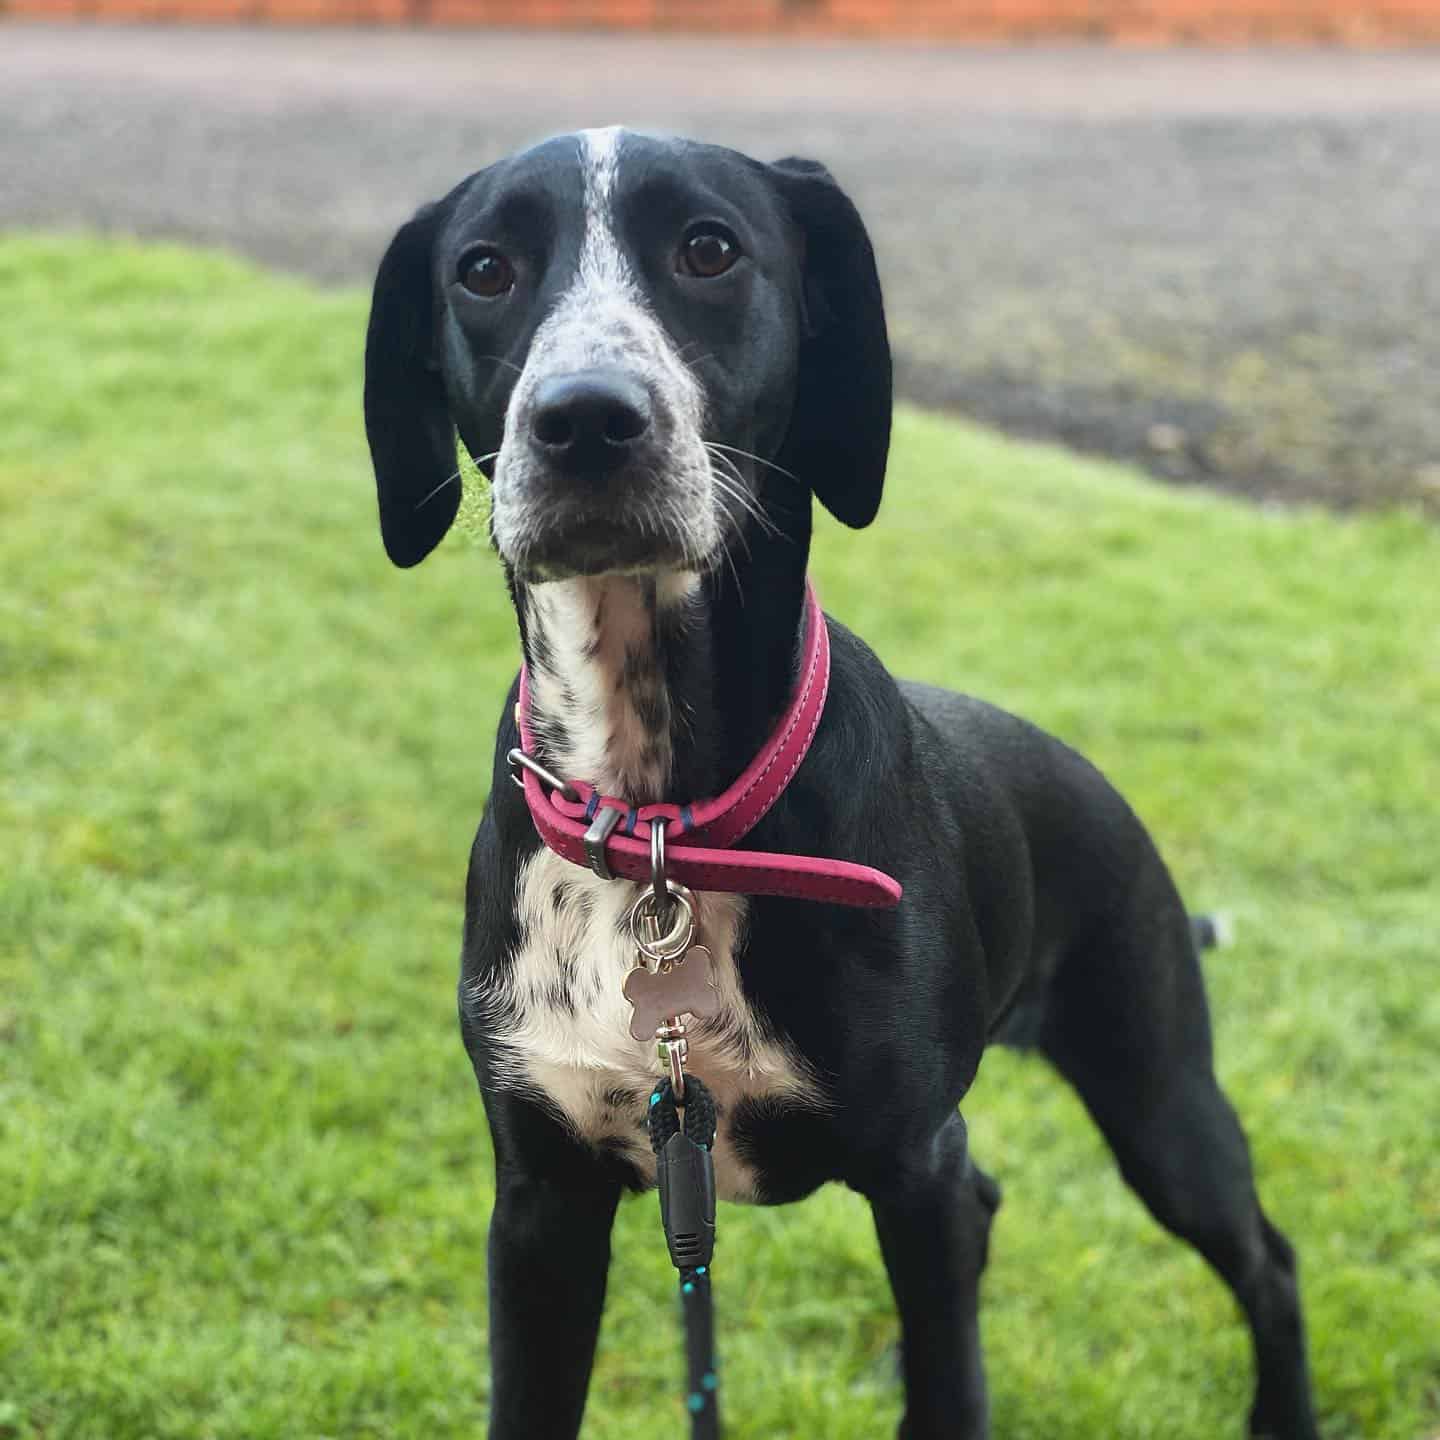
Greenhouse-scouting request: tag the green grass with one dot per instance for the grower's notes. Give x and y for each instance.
(244, 1175)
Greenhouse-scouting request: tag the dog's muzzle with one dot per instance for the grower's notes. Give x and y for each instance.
(596, 475)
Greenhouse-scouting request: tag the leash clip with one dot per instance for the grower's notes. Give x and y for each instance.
(674, 1049)
(685, 1174)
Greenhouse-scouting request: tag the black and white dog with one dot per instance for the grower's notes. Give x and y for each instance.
(658, 351)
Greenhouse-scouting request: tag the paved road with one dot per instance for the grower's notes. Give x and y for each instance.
(1223, 264)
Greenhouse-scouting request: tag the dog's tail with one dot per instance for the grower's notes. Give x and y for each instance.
(1211, 932)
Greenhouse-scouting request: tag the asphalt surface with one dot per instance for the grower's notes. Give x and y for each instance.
(1222, 264)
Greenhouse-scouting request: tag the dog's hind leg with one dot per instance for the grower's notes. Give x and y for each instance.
(1127, 1024)
(933, 1219)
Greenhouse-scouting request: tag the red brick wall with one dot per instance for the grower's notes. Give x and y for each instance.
(1345, 21)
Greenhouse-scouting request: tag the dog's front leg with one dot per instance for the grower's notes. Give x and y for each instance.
(933, 1218)
(549, 1254)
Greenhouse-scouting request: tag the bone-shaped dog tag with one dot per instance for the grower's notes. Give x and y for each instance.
(657, 996)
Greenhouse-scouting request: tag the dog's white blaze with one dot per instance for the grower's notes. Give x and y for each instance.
(577, 1056)
(602, 151)
(604, 320)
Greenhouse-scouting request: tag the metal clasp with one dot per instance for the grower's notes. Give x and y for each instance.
(674, 1050)
(667, 898)
(604, 822)
(519, 760)
(662, 937)
(658, 884)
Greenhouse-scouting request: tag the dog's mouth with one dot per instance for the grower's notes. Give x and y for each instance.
(549, 527)
(597, 546)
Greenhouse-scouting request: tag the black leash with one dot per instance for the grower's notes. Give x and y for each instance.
(685, 1171)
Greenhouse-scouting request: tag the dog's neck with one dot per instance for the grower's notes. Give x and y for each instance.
(662, 687)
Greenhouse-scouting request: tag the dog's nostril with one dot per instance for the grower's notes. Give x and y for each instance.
(553, 427)
(625, 424)
(587, 420)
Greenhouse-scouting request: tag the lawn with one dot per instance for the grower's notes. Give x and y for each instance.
(244, 1174)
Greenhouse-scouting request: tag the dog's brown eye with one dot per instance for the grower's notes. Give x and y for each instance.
(708, 252)
(486, 273)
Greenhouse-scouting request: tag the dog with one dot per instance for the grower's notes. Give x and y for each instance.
(659, 352)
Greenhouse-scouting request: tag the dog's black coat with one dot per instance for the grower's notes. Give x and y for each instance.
(1035, 903)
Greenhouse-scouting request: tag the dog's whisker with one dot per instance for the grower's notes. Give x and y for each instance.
(501, 360)
(731, 472)
(727, 464)
(736, 529)
(718, 456)
(454, 477)
(759, 460)
(740, 499)
(670, 521)
(674, 529)
(747, 503)
(448, 480)
(734, 570)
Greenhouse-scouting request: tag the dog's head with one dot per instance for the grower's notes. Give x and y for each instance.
(635, 338)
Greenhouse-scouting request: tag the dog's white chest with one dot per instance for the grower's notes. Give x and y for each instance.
(560, 1023)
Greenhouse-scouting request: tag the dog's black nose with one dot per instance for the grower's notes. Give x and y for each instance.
(589, 421)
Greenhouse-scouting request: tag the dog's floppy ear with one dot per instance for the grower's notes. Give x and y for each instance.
(412, 440)
(839, 434)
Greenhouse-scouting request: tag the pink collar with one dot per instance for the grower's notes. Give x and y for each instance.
(580, 830)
